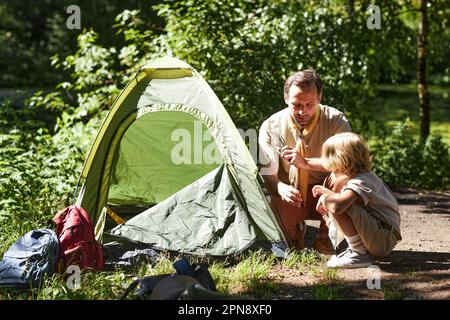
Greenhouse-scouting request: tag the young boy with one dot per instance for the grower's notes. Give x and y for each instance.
(365, 209)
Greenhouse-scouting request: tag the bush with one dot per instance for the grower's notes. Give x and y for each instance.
(36, 175)
(39, 166)
(436, 161)
(402, 160)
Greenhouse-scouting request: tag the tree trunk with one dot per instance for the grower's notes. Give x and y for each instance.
(350, 6)
(424, 98)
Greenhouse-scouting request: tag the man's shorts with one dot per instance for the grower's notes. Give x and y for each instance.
(377, 236)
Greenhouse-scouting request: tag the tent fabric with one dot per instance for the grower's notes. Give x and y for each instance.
(205, 218)
(127, 164)
(158, 156)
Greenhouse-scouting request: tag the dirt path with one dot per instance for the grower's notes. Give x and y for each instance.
(418, 268)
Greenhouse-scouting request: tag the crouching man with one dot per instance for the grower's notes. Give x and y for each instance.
(304, 125)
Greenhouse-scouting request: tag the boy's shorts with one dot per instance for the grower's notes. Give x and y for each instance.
(377, 236)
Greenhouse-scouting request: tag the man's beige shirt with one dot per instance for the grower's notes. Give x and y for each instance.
(331, 122)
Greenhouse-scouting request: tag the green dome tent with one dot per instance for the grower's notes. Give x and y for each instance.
(169, 159)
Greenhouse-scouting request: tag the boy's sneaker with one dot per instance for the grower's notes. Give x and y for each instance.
(350, 259)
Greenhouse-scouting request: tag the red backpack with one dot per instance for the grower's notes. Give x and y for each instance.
(77, 244)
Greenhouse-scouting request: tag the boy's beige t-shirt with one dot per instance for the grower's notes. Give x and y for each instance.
(377, 198)
(331, 122)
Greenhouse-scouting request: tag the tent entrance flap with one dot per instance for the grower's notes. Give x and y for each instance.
(159, 154)
(202, 218)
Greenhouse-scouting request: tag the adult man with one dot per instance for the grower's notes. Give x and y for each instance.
(296, 135)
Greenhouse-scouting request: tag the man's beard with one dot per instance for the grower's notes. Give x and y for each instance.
(308, 121)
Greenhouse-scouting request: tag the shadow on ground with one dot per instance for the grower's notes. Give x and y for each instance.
(435, 202)
(399, 261)
(405, 274)
(402, 275)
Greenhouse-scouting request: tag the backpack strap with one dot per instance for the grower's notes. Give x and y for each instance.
(202, 274)
(147, 285)
(130, 288)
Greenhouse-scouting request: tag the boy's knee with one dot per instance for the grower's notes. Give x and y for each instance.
(377, 251)
(335, 183)
(338, 215)
(382, 248)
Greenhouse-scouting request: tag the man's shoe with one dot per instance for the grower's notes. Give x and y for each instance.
(323, 246)
(299, 243)
(350, 259)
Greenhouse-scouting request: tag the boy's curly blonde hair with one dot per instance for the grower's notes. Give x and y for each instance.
(348, 153)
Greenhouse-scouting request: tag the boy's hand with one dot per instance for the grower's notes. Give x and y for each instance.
(320, 207)
(319, 190)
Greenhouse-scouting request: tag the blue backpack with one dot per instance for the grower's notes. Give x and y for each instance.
(29, 259)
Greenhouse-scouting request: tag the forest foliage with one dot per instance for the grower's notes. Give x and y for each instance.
(244, 49)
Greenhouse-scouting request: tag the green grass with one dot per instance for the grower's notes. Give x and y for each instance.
(412, 273)
(312, 263)
(93, 286)
(327, 274)
(248, 277)
(393, 292)
(393, 103)
(302, 260)
(164, 265)
(326, 291)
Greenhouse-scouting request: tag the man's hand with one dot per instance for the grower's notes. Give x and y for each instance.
(293, 157)
(319, 190)
(289, 194)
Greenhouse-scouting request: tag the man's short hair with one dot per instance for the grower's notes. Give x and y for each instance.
(304, 79)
